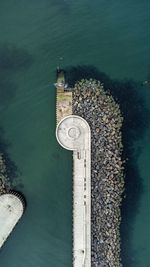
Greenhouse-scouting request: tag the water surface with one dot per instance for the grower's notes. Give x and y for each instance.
(112, 36)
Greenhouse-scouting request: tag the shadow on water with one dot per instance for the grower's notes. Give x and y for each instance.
(12, 60)
(63, 5)
(136, 117)
(7, 90)
(11, 169)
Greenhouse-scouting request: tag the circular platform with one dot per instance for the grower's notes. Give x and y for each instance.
(71, 131)
(11, 210)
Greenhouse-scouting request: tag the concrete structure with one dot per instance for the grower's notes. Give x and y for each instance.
(73, 133)
(11, 210)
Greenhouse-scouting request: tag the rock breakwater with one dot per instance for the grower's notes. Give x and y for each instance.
(91, 102)
(4, 180)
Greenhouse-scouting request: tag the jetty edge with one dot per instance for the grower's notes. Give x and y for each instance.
(91, 102)
(12, 204)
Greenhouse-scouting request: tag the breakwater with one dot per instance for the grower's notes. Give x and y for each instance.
(91, 102)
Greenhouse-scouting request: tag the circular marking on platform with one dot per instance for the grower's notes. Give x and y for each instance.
(74, 132)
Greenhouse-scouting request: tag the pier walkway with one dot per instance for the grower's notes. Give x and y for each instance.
(73, 133)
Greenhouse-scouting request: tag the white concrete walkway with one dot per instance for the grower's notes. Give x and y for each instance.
(11, 210)
(73, 133)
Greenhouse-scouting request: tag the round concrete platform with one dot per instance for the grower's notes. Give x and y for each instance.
(11, 210)
(71, 131)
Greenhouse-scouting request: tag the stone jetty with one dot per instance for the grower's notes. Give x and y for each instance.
(99, 109)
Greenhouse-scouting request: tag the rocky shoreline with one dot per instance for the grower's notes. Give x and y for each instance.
(91, 102)
(4, 180)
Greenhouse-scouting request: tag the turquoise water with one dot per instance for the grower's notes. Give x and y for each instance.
(112, 36)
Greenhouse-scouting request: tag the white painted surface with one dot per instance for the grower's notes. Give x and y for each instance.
(11, 209)
(73, 133)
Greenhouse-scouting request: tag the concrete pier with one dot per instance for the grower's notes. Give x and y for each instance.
(11, 210)
(73, 133)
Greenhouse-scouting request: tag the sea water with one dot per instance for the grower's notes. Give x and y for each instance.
(112, 36)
